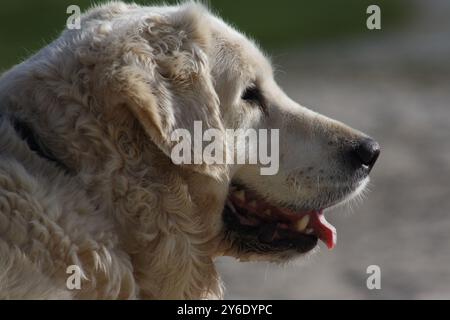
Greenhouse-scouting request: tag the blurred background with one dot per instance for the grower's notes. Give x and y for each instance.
(392, 83)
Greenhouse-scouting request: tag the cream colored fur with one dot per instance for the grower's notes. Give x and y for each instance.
(104, 100)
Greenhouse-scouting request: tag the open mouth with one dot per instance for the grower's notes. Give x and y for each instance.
(278, 228)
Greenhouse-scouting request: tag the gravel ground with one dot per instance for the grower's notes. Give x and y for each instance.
(396, 87)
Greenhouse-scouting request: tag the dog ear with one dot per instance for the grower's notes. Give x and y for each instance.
(164, 78)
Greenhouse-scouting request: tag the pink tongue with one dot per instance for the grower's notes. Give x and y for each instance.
(322, 228)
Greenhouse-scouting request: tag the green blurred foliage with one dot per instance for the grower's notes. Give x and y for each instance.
(27, 25)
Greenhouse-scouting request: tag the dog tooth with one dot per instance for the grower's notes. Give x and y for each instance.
(309, 231)
(301, 225)
(240, 195)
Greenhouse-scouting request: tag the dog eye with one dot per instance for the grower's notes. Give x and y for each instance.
(252, 95)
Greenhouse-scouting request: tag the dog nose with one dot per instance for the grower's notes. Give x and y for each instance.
(367, 152)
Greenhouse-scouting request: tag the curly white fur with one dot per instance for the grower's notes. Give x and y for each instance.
(105, 100)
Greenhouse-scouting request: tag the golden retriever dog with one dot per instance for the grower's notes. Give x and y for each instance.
(87, 181)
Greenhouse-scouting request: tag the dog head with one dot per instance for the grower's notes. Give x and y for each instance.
(174, 66)
(115, 95)
(322, 162)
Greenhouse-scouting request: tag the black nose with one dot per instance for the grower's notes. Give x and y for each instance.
(366, 152)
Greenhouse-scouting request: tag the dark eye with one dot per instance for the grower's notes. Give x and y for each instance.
(255, 97)
(252, 95)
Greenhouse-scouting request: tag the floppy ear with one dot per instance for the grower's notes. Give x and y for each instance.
(164, 77)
